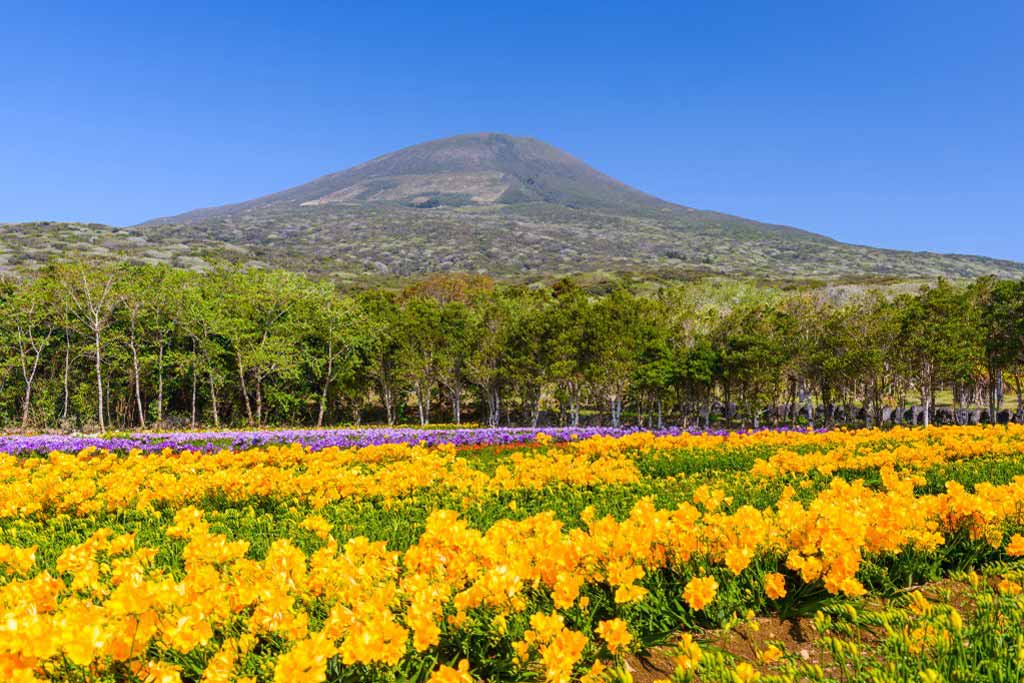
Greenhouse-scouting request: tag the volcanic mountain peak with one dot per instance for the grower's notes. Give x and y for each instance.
(513, 207)
(463, 170)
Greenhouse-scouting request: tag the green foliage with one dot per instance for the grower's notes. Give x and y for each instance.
(251, 346)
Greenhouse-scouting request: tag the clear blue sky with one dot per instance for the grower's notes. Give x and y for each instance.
(894, 124)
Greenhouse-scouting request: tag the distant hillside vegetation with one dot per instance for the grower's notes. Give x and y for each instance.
(507, 206)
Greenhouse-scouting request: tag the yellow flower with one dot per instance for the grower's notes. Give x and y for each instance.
(745, 673)
(1015, 548)
(446, 674)
(699, 592)
(956, 622)
(596, 673)
(615, 634)
(17, 560)
(318, 525)
(775, 586)
(629, 593)
(688, 654)
(159, 672)
(305, 662)
(770, 654)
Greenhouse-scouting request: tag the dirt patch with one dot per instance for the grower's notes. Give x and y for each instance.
(654, 665)
(745, 642)
(796, 636)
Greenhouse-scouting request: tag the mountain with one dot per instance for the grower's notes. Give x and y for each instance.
(465, 170)
(512, 207)
(482, 169)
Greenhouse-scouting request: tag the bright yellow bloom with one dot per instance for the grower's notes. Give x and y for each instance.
(158, 672)
(699, 592)
(1015, 548)
(446, 674)
(1009, 587)
(687, 654)
(775, 586)
(17, 560)
(745, 673)
(318, 525)
(615, 634)
(770, 654)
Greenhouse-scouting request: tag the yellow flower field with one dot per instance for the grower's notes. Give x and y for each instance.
(551, 562)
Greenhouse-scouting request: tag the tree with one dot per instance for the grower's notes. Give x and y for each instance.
(613, 340)
(657, 369)
(420, 340)
(31, 314)
(381, 313)
(485, 366)
(90, 289)
(257, 323)
(200, 314)
(939, 334)
(1001, 304)
(460, 337)
(569, 353)
(334, 332)
(752, 358)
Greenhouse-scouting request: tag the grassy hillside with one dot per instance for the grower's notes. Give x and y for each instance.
(360, 244)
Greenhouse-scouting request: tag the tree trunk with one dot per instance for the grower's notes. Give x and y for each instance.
(107, 397)
(422, 391)
(245, 390)
(193, 393)
(385, 395)
(616, 407)
(826, 405)
(160, 387)
(67, 375)
(993, 403)
(99, 380)
(794, 408)
(1018, 387)
(326, 387)
(457, 404)
(29, 379)
(138, 383)
(259, 399)
(213, 401)
(25, 413)
(493, 407)
(926, 399)
(574, 404)
(323, 404)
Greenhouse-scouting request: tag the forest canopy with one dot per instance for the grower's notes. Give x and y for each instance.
(123, 346)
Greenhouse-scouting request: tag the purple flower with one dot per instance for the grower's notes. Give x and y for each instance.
(313, 438)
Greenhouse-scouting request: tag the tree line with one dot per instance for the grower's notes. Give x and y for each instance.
(125, 346)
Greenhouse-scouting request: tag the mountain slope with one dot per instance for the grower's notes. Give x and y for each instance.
(508, 206)
(484, 168)
(481, 169)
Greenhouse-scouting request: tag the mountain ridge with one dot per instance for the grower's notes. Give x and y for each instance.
(512, 207)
